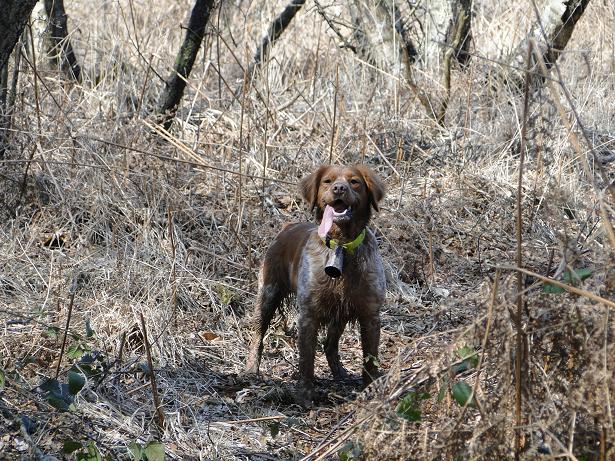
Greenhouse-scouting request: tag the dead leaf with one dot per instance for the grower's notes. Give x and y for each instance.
(208, 335)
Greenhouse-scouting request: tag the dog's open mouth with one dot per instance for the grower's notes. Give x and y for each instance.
(336, 212)
(339, 206)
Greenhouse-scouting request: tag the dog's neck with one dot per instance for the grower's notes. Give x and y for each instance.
(347, 232)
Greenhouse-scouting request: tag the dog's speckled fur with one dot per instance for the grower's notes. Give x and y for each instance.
(295, 263)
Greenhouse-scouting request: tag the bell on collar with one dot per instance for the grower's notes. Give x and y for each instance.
(335, 262)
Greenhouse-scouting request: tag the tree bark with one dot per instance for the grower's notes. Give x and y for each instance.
(573, 12)
(459, 34)
(4, 88)
(274, 32)
(60, 48)
(176, 83)
(551, 31)
(377, 26)
(457, 44)
(384, 40)
(14, 15)
(402, 31)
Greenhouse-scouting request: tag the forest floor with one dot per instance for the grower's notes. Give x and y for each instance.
(112, 228)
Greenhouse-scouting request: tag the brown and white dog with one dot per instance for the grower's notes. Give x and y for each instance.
(343, 197)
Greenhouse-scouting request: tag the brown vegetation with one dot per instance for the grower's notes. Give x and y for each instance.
(107, 216)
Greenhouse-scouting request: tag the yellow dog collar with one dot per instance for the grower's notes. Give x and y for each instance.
(349, 247)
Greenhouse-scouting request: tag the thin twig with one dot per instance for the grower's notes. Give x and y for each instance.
(72, 291)
(152, 377)
(520, 359)
(333, 127)
(173, 267)
(565, 286)
(197, 160)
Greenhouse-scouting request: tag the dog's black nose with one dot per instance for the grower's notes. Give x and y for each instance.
(339, 188)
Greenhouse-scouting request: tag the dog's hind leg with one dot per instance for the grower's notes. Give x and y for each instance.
(269, 298)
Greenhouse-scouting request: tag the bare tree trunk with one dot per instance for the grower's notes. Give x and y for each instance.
(563, 32)
(7, 99)
(387, 44)
(551, 31)
(274, 32)
(4, 117)
(14, 15)
(459, 34)
(60, 48)
(4, 88)
(176, 83)
(402, 31)
(457, 45)
(433, 18)
(376, 28)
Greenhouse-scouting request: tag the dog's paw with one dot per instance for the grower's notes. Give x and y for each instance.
(341, 374)
(305, 395)
(368, 378)
(251, 372)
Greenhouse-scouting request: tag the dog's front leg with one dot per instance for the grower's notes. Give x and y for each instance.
(307, 328)
(369, 324)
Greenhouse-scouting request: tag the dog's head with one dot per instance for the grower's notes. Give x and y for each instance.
(350, 192)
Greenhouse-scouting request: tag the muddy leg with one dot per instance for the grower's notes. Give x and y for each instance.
(334, 332)
(308, 331)
(269, 299)
(370, 338)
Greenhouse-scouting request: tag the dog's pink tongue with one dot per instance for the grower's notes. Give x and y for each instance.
(327, 222)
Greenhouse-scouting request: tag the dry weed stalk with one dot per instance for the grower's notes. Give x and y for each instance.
(521, 358)
(69, 314)
(152, 378)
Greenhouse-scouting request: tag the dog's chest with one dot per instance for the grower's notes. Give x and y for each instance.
(361, 282)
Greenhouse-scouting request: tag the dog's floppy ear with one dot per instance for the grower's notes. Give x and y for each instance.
(309, 186)
(375, 187)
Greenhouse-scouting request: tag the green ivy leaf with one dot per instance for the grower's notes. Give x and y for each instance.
(28, 424)
(76, 351)
(154, 451)
(143, 368)
(89, 453)
(71, 445)
(52, 332)
(136, 451)
(462, 392)
(469, 356)
(408, 407)
(552, 289)
(57, 394)
(27, 360)
(569, 277)
(350, 451)
(582, 274)
(274, 429)
(291, 421)
(76, 381)
(442, 392)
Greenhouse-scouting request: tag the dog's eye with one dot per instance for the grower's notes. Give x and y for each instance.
(354, 182)
(326, 181)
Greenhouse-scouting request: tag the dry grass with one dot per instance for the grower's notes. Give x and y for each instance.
(141, 222)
